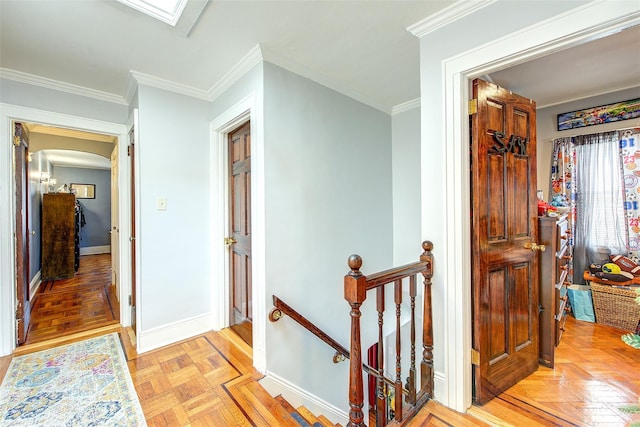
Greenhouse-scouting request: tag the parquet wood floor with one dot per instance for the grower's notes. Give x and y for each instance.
(209, 380)
(80, 303)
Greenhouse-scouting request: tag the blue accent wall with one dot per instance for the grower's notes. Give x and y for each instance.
(97, 212)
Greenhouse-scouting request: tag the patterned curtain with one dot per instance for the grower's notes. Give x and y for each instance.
(563, 169)
(630, 151)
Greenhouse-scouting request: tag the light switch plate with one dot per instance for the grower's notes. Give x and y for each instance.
(162, 203)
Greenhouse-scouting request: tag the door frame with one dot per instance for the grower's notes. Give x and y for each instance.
(245, 110)
(570, 29)
(9, 114)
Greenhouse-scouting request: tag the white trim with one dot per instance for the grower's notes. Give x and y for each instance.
(94, 250)
(157, 82)
(34, 285)
(172, 333)
(246, 109)
(446, 16)
(296, 396)
(32, 79)
(405, 106)
(571, 28)
(251, 59)
(8, 114)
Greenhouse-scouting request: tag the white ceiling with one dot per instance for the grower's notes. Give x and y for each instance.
(362, 49)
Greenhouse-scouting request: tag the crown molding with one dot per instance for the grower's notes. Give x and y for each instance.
(446, 16)
(34, 80)
(251, 59)
(405, 106)
(157, 82)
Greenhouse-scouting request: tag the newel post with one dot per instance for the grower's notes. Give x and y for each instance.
(426, 366)
(355, 293)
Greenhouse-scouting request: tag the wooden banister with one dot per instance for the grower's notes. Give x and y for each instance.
(280, 308)
(356, 286)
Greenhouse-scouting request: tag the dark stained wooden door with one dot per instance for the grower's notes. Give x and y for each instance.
(504, 222)
(20, 157)
(240, 229)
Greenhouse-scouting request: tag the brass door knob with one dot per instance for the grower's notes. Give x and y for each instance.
(534, 246)
(229, 241)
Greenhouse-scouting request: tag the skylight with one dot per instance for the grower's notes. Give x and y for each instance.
(167, 11)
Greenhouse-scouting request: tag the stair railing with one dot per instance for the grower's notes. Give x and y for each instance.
(356, 286)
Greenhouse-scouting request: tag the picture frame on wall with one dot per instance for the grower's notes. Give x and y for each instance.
(617, 111)
(83, 191)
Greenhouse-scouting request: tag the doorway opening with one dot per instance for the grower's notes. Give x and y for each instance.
(86, 296)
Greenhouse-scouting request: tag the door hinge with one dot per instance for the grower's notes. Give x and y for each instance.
(129, 150)
(475, 357)
(473, 106)
(130, 300)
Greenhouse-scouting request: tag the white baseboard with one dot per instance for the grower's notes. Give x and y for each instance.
(35, 284)
(174, 332)
(94, 250)
(439, 387)
(297, 397)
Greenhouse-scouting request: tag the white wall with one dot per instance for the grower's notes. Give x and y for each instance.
(547, 125)
(327, 196)
(174, 246)
(407, 239)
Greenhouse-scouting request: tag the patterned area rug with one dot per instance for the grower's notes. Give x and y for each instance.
(81, 384)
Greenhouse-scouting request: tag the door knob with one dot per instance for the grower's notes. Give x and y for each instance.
(229, 241)
(534, 246)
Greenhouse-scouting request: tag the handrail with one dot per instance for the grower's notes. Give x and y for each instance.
(280, 308)
(397, 273)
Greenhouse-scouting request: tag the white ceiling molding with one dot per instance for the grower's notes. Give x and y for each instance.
(447, 16)
(160, 83)
(405, 106)
(32, 79)
(252, 58)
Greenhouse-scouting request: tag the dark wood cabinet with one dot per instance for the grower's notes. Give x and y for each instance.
(553, 273)
(59, 243)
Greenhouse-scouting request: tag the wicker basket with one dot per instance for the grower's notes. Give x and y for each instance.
(615, 307)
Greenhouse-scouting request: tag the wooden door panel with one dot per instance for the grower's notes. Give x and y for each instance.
(498, 324)
(240, 223)
(497, 200)
(503, 170)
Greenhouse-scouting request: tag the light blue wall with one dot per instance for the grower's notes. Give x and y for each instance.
(407, 238)
(328, 195)
(174, 163)
(61, 102)
(97, 212)
(37, 165)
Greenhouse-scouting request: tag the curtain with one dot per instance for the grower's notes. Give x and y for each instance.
(630, 150)
(601, 224)
(563, 171)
